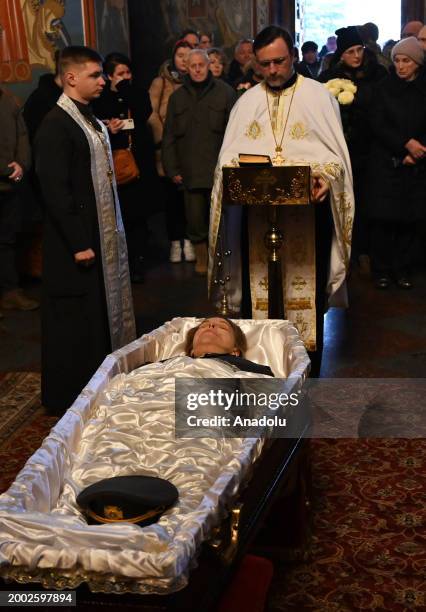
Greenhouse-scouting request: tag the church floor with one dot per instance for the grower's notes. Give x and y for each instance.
(381, 334)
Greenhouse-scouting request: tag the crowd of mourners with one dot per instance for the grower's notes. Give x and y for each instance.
(382, 99)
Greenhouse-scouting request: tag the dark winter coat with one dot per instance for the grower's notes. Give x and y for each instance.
(40, 102)
(75, 333)
(398, 113)
(249, 77)
(310, 71)
(193, 134)
(356, 116)
(116, 104)
(235, 72)
(14, 144)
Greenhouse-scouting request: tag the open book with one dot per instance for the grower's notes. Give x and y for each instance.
(249, 159)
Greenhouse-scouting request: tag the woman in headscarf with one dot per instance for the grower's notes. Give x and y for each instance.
(358, 64)
(162, 87)
(397, 192)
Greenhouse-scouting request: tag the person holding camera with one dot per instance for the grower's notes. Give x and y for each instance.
(15, 159)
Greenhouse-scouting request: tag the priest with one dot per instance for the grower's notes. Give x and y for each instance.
(87, 306)
(295, 121)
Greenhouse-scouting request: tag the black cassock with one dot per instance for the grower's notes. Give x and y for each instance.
(75, 330)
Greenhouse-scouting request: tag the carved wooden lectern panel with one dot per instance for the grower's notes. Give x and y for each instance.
(254, 185)
(268, 186)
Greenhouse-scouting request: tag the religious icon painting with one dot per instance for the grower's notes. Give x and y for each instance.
(197, 9)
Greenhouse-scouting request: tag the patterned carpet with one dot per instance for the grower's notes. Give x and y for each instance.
(369, 502)
(19, 399)
(368, 548)
(23, 422)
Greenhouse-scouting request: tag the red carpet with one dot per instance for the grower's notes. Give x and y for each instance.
(23, 422)
(369, 548)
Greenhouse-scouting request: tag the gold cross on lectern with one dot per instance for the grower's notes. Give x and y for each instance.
(265, 180)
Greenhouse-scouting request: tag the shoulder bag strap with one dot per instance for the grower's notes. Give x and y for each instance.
(129, 132)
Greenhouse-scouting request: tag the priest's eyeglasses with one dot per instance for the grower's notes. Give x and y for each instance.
(277, 61)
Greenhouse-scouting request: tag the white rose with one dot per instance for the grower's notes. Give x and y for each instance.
(345, 97)
(349, 86)
(339, 83)
(334, 91)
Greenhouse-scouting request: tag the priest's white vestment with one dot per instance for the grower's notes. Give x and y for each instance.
(307, 118)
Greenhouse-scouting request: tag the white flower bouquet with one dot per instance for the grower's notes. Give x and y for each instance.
(343, 90)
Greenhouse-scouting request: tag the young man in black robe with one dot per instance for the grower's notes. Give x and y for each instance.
(86, 298)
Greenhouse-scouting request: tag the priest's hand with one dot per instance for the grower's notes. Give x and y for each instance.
(84, 258)
(415, 148)
(319, 189)
(178, 180)
(17, 171)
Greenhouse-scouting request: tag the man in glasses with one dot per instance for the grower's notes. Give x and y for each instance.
(294, 121)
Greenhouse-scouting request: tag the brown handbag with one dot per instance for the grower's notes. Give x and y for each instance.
(125, 166)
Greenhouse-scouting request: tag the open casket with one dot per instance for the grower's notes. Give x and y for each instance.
(122, 423)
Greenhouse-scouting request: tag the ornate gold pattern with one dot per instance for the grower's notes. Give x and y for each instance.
(411, 597)
(344, 206)
(298, 131)
(301, 325)
(332, 170)
(254, 130)
(296, 193)
(299, 283)
(261, 305)
(278, 160)
(104, 583)
(113, 512)
(299, 304)
(264, 283)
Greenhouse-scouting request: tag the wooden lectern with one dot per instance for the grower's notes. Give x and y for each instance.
(269, 186)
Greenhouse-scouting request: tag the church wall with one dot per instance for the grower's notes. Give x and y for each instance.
(155, 26)
(32, 30)
(413, 10)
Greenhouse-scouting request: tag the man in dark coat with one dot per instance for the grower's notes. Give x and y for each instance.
(242, 55)
(196, 120)
(41, 101)
(15, 159)
(86, 299)
(310, 65)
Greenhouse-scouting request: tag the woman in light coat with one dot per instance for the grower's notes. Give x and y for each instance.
(162, 87)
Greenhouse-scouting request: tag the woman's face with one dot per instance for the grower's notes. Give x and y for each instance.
(205, 42)
(214, 335)
(181, 57)
(121, 71)
(353, 56)
(405, 67)
(216, 65)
